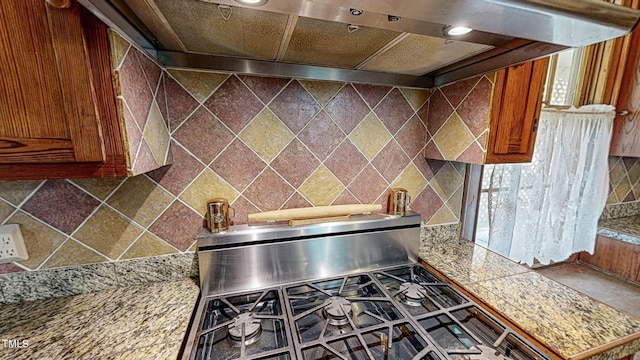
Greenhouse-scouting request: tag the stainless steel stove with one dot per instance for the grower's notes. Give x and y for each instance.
(342, 290)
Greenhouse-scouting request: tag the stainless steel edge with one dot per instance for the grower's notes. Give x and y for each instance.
(273, 68)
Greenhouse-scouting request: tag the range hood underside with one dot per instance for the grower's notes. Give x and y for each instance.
(323, 40)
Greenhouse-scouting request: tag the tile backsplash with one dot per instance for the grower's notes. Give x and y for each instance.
(624, 180)
(263, 143)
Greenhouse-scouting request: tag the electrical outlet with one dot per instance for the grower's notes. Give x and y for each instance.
(12, 246)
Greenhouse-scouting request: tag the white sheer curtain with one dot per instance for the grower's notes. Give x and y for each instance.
(549, 209)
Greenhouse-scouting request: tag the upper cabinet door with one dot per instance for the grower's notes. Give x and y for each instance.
(48, 109)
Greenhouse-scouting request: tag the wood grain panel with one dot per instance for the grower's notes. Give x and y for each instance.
(615, 256)
(35, 150)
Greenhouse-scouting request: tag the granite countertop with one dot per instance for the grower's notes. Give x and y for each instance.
(625, 229)
(571, 324)
(138, 322)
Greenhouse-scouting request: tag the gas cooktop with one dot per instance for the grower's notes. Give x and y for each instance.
(384, 312)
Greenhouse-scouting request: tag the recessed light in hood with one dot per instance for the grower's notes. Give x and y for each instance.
(457, 30)
(252, 2)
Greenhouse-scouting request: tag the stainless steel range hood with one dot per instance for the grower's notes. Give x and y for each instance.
(403, 42)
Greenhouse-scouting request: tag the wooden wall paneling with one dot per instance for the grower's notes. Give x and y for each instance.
(615, 256)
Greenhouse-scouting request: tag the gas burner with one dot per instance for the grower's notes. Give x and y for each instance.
(252, 329)
(336, 310)
(486, 353)
(411, 294)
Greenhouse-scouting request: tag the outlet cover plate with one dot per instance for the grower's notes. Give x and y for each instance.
(12, 247)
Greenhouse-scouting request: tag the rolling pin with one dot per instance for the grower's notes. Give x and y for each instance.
(315, 212)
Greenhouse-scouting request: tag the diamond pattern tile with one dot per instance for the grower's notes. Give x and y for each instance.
(40, 239)
(61, 205)
(238, 165)
(203, 135)
(177, 176)
(200, 84)
(416, 97)
(265, 87)
(345, 198)
(9, 268)
(207, 186)
(472, 155)
(6, 209)
(266, 135)
(134, 87)
(474, 110)
(268, 191)
(411, 179)
(161, 99)
(296, 201)
(391, 161)
(140, 199)
(443, 216)
(134, 135)
(347, 109)
(180, 104)
(368, 185)
(439, 111)
(234, 104)
(295, 163)
(446, 181)
(73, 253)
(412, 137)
(322, 187)
(119, 47)
(242, 208)
(394, 111)
(145, 161)
(178, 226)
(431, 151)
(322, 136)
(452, 146)
(455, 201)
(294, 106)
(427, 203)
(322, 91)
(346, 162)
(457, 91)
(151, 71)
(372, 94)
(423, 113)
(148, 245)
(15, 192)
(370, 136)
(157, 135)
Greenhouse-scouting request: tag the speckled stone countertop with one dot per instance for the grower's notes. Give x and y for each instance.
(138, 322)
(625, 229)
(571, 324)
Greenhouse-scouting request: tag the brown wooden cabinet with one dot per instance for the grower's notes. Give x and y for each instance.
(515, 110)
(58, 116)
(615, 256)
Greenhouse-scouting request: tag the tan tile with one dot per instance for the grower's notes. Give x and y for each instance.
(416, 97)
(636, 190)
(72, 253)
(16, 191)
(148, 245)
(443, 216)
(199, 83)
(322, 187)
(108, 232)
(455, 201)
(5, 210)
(207, 186)
(141, 199)
(411, 179)
(322, 91)
(193, 247)
(453, 137)
(266, 135)
(119, 47)
(634, 172)
(447, 181)
(617, 172)
(157, 135)
(100, 187)
(370, 136)
(623, 188)
(40, 239)
(612, 199)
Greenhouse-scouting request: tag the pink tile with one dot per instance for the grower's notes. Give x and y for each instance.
(322, 135)
(238, 165)
(9, 268)
(296, 201)
(180, 103)
(145, 161)
(412, 137)
(383, 199)
(423, 113)
(427, 203)
(265, 87)
(474, 110)
(439, 112)
(629, 162)
(203, 135)
(391, 161)
(372, 94)
(472, 155)
(368, 186)
(242, 208)
(151, 71)
(346, 162)
(161, 99)
(629, 197)
(234, 104)
(347, 109)
(176, 177)
(269, 191)
(61, 205)
(431, 151)
(457, 91)
(346, 198)
(295, 163)
(294, 106)
(135, 88)
(428, 167)
(178, 226)
(394, 111)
